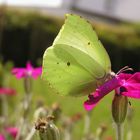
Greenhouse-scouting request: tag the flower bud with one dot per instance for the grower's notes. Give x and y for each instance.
(56, 111)
(47, 129)
(119, 108)
(40, 112)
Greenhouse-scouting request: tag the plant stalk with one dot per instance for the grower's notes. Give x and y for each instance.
(26, 107)
(87, 125)
(119, 131)
(4, 109)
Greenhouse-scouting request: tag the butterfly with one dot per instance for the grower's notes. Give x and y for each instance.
(76, 63)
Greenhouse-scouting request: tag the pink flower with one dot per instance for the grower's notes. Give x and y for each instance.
(128, 84)
(29, 71)
(12, 131)
(9, 130)
(2, 137)
(7, 91)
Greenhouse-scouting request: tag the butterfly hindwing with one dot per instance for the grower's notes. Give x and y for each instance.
(64, 74)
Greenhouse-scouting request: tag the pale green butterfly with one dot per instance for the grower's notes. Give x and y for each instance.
(77, 62)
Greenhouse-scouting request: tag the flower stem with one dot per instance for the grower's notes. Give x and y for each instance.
(119, 131)
(87, 125)
(31, 134)
(4, 109)
(26, 107)
(129, 121)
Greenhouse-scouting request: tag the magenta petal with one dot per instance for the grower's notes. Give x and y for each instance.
(132, 94)
(29, 66)
(20, 75)
(91, 103)
(36, 72)
(19, 72)
(135, 78)
(124, 76)
(16, 70)
(132, 86)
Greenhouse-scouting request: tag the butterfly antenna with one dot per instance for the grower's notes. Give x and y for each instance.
(126, 68)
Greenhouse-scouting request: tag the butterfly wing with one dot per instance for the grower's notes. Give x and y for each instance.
(76, 61)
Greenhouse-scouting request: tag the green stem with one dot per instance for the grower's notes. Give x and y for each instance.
(26, 107)
(119, 131)
(4, 106)
(87, 125)
(31, 134)
(129, 135)
(23, 119)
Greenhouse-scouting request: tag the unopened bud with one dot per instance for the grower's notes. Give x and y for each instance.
(40, 112)
(47, 129)
(56, 111)
(119, 108)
